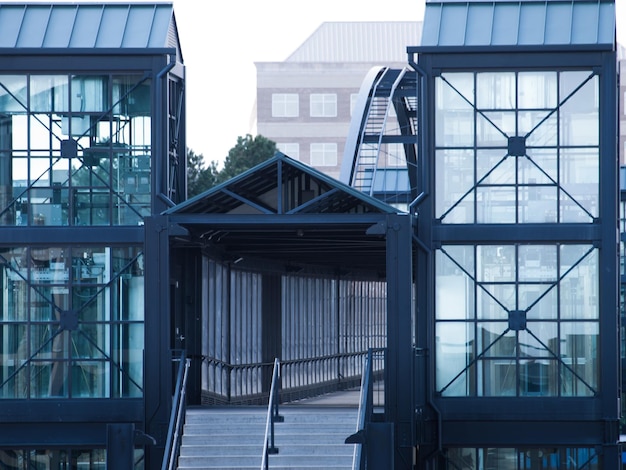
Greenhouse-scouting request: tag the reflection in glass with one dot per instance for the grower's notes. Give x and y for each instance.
(69, 156)
(539, 122)
(72, 322)
(550, 352)
(564, 458)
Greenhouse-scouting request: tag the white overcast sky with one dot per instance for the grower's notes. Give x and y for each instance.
(221, 41)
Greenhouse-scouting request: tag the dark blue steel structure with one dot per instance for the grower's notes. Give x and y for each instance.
(522, 96)
(488, 273)
(91, 145)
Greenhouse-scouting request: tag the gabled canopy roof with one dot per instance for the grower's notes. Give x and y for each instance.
(282, 185)
(290, 213)
(90, 25)
(503, 23)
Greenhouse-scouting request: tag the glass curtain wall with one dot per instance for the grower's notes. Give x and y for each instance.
(74, 150)
(71, 323)
(523, 459)
(519, 319)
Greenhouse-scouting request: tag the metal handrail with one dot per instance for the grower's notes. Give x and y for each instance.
(366, 410)
(272, 417)
(172, 445)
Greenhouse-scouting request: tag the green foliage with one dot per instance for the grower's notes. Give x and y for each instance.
(199, 179)
(247, 153)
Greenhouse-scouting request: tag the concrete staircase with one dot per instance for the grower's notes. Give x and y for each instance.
(311, 437)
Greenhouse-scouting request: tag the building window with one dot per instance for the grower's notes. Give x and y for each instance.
(72, 322)
(517, 147)
(353, 100)
(323, 105)
(291, 149)
(88, 168)
(517, 320)
(324, 154)
(285, 105)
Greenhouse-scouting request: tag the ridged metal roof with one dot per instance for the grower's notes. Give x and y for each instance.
(359, 42)
(88, 25)
(519, 23)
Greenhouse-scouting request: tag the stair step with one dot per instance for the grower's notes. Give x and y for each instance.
(311, 437)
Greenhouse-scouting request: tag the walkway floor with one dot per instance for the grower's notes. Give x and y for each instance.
(343, 398)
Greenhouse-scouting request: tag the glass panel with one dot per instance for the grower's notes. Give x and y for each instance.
(89, 94)
(493, 342)
(495, 301)
(496, 263)
(579, 114)
(495, 205)
(13, 93)
(579, 173)
(454, 291)
(537, 263)
(454, 115)
(547, 457)
(454, 342)
(494, 129)
(131, 96)
(537, 204)
(538, 167)
(579, 287)
(49, 93)
(540, 301)
(498, 377)
(537, 90)
(580, 358)
(495, 90)
(454, 178)
(539, 128)
(493, 167)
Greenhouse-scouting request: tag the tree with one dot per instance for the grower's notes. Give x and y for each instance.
(247, 153)
(199, 179)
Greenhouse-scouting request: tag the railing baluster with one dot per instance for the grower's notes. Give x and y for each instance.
(273, 416)
(172, 445)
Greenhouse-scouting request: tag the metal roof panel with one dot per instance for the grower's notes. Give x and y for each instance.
(34, 26)
(162, 24)
(432, 23)
(453, 23)
(11, 17)
(479, 25)
(532, 24)
(497, 23)
(505, 24)
(113, 26)
(585, 23)
(142, 19)
(558, 13)
(57, 33)
(88, 25)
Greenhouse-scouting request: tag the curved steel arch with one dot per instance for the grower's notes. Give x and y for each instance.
(385, 114)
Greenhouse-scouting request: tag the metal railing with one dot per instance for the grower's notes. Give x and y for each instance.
(300, 378)
(273, 416)
(367, 403)
(172, 445)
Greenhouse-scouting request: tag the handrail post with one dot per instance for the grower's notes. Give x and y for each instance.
(269, 446)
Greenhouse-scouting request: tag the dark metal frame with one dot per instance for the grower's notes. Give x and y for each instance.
(82, 423)
(482, 422)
